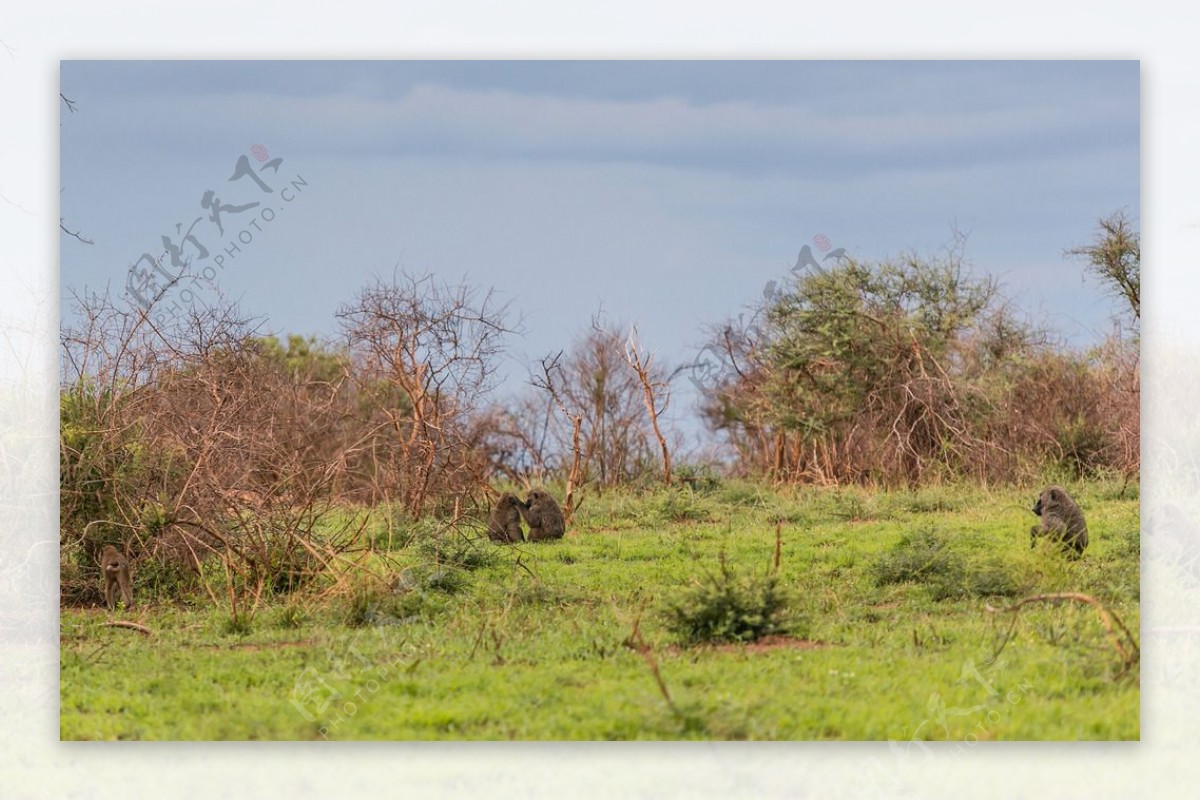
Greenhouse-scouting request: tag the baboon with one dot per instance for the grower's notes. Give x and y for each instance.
(1061, 519)
(115, 568)
(544, 516)
(1172, 531)
(504, 525)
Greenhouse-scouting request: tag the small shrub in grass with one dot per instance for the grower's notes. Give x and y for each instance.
(1129, 544)
(726, 607)
(740, 493)
(290, 568)
(392, 528)
(163, 578)
(362, 606)
(931, 501)
(989, 578)
(446, 579)
(853, 506)
(374, 604)
(456, 550)
(538, 594)
(238, 624)
(77, 588)
(923, 556)
(440, 578)
(996, 577)
(680, 506)
(291, 616)
(701, 477)
(671, 505)
(1113, 485)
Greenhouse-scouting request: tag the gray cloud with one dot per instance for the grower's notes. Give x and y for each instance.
(819, 133)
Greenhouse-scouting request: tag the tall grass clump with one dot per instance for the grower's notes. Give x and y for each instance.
(923, 556)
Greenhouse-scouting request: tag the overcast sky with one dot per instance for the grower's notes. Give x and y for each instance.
(668, 193)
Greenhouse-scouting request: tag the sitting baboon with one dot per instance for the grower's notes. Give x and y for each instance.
(544, 516)
(1061, 519)
(115, 568)
(504, 525)
(1174, 537)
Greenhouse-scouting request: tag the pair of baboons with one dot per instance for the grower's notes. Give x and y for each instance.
(540, 511)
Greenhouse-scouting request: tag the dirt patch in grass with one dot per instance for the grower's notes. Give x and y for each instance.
(772, 642)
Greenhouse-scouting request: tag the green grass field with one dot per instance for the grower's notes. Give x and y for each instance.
(885, 634)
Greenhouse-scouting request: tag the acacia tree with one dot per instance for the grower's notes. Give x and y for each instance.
(847, 374)
(908, 369)
(1116, 259)
(424, 353)
(873, 343)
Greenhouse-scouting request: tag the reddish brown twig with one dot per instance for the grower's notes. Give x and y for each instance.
(128, 624)
(636, 642)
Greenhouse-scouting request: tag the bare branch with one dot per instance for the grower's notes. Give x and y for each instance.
(62, 225)
(651, 390)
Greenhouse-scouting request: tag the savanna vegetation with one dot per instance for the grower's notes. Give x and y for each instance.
(846, 557)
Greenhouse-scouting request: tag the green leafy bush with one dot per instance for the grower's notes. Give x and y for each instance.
(726, 607)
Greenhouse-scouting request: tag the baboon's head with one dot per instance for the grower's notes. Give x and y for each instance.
(1050, 499)
(508, 500)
